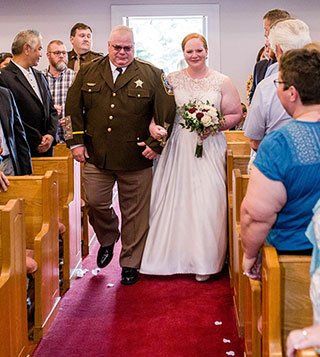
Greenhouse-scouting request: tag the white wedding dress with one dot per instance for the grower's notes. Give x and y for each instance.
(188, 202)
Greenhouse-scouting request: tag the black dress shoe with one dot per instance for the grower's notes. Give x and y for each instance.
(129, 276)
(104, 256)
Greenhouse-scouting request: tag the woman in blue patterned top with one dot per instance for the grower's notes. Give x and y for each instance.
(284, 184)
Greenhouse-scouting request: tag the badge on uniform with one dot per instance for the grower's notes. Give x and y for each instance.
(138, 83)
(166, 85)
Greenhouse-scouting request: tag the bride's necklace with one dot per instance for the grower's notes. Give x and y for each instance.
(195, 75)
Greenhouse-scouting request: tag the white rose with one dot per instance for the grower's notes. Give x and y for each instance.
(207, 107)
(213, 112)
(206, 120)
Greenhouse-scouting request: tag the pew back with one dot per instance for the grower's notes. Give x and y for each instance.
(13, 310)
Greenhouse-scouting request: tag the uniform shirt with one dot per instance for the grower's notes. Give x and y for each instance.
(59, 87)
(111, 118)
(266, 112)
(85, 58)
(291, 155)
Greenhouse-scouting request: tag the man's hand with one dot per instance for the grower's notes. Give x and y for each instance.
(58, 108)
(4, 182)
(46, 143)
(80, 153)
(148, 152)
(62, 122)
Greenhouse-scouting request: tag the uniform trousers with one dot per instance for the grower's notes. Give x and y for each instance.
(134, 192)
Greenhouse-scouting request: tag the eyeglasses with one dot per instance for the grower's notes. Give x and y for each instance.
(58, 53)
(276, 82)
(119, 48)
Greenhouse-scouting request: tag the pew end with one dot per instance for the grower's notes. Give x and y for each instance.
(286, 304)
(69, 210)
(239, 189)
(40, 194)
(233, 162)
(88, 234)
(13, 296)
(235, 135)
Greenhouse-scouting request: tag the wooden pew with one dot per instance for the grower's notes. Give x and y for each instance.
(239, 147)
(286, 304)
(87, 231)
(235, 135)
(69, 210)
(239, 189)
(13, 310)
(40, 194)
(233, 162)
(310, 352)
(252, 313)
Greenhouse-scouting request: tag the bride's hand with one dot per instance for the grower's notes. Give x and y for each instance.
(157, 131)
(204, 135)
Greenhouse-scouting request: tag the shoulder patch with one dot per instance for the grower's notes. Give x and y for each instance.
(144, 61)
(166, 85)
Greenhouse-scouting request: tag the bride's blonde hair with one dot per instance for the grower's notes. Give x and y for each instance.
(194, 35)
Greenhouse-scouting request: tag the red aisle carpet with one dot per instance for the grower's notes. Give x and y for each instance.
(158, 316)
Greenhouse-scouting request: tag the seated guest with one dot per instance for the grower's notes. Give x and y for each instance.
(5, 58)
(310, 336)
(31, 92)
(81, 40)
(15, 158)
(284, 183)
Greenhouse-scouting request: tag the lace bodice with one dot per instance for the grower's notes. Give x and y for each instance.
(187, 89)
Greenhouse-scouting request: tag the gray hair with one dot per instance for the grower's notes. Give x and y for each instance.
(289, 35)
(29, 37)
(122, 29)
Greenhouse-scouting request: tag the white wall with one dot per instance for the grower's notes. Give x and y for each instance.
(240, 25)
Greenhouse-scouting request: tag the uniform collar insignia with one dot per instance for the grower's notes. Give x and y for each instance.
(138, 83)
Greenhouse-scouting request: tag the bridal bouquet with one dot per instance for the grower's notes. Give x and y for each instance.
(203, 118)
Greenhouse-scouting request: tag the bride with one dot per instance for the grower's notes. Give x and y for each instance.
(188, 203)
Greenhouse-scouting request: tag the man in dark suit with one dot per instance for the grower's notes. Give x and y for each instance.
(31, 93)
(81, 40)
(112, 102)
(15, 156)
(261, 67)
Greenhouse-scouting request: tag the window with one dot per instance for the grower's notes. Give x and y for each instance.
(159, 30)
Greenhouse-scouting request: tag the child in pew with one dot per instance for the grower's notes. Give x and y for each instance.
(310, 336)
(285, 180)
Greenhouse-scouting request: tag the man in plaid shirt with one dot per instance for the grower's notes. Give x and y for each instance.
(60, 78)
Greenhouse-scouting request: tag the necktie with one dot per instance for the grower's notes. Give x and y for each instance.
(77, 64)
(120, 70)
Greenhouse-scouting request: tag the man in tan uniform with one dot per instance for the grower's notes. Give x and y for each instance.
(81, 40)
(112, 102)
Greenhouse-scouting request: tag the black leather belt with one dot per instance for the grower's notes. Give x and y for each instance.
(5, 157)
